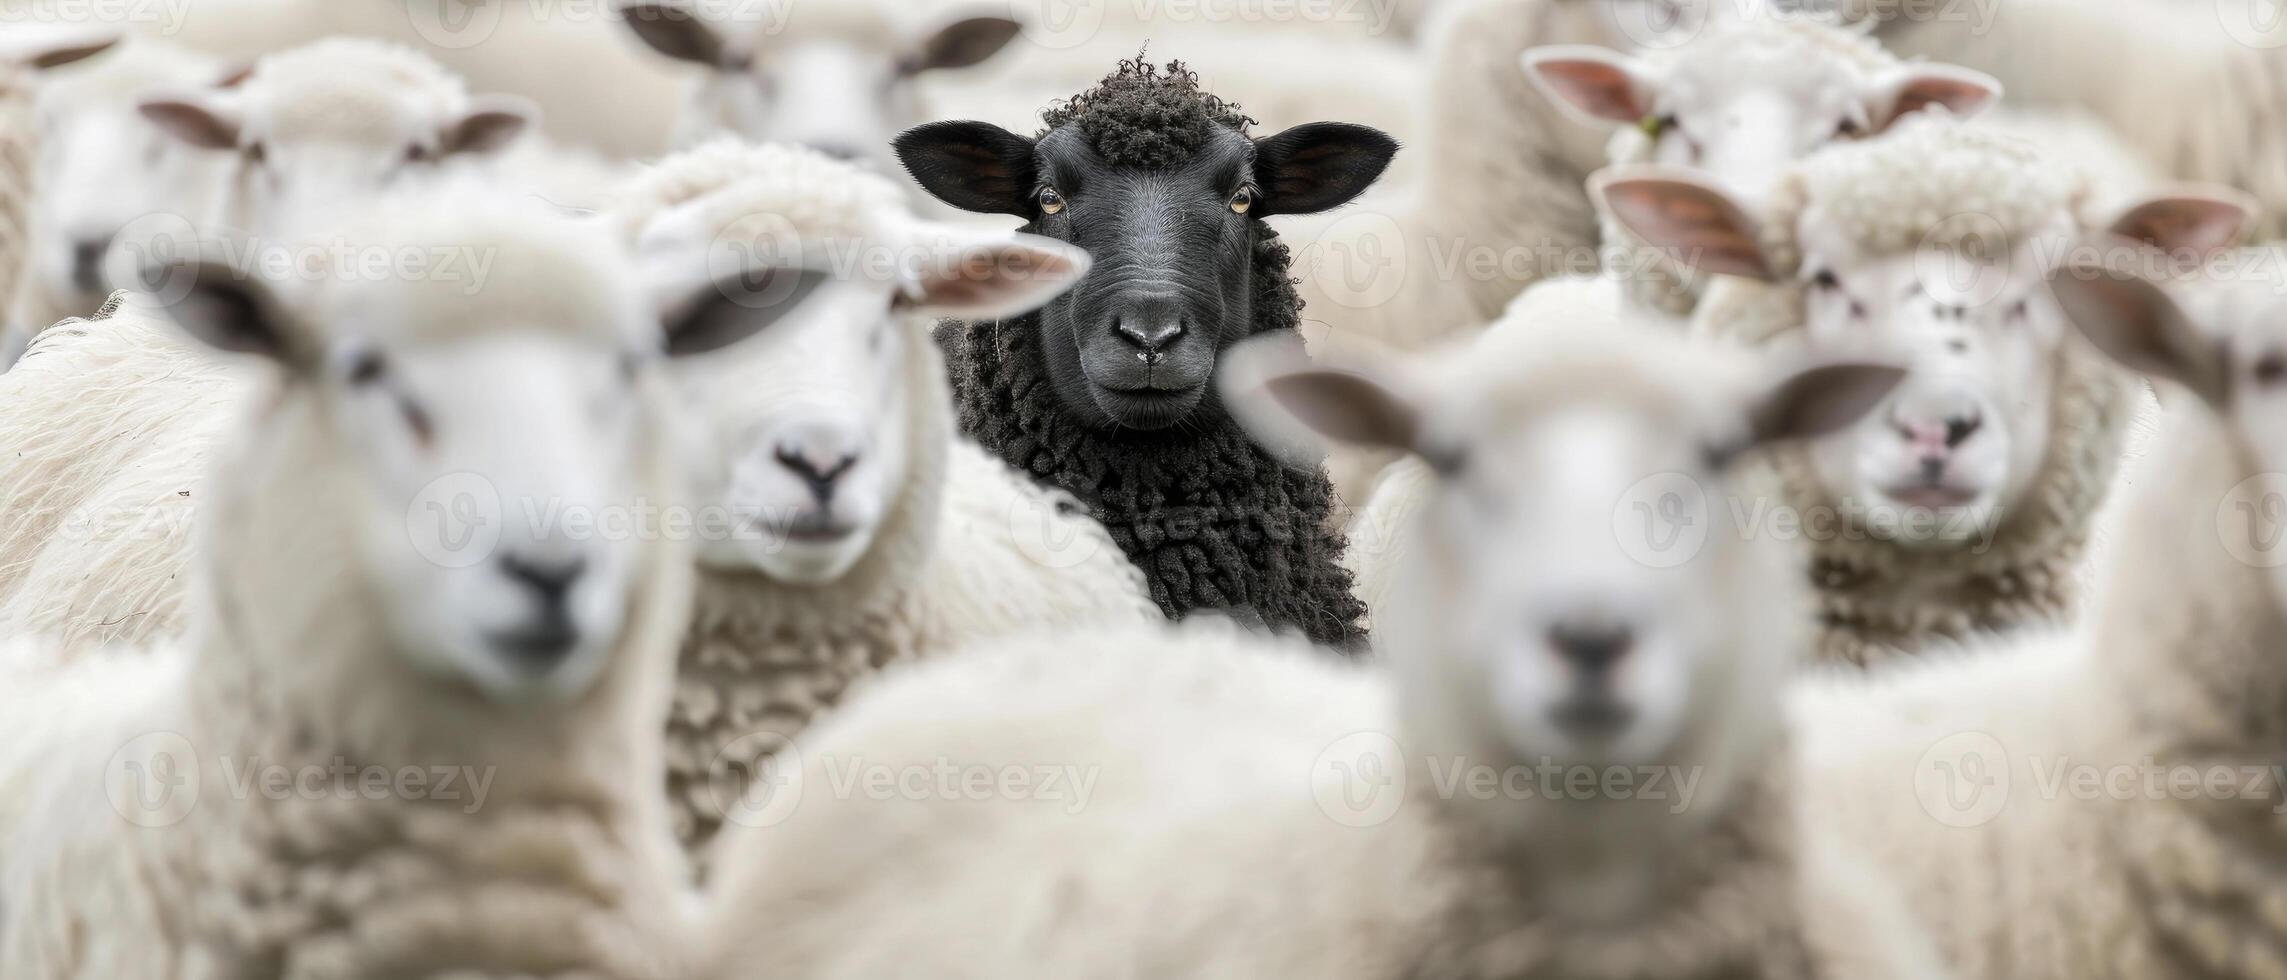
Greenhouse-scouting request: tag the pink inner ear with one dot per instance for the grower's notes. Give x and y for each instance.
(1699, 225)
(2183, 224)
(1595, 87)
(987, 279)
(191, 123)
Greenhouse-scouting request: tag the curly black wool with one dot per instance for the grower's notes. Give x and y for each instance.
(1213, 521)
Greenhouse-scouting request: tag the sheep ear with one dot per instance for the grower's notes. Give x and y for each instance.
(674, 30)
(195, 119)
(53, 50)
(989, 280)
(1593, 84)
(1318, 166)
(492, 122)
(961, 44)
(2132, 320)
(1293, 407)
(1902, 91)
(2199, 222)
(226, 311)
(1688, 217)
(1821, 399)
(974, 166)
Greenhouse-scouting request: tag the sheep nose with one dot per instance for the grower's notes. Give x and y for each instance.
(552, 581)
(87, 264)
(819, 457)
(1151, 323)
(1591, 645)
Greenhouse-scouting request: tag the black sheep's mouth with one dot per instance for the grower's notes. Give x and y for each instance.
(1148, 408)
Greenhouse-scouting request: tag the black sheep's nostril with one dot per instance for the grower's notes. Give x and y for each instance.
(1592, 647)
(1152, 336)
(1960, 429)
(552, 581)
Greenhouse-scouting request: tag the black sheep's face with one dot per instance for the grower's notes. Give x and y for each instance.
(1135, 344)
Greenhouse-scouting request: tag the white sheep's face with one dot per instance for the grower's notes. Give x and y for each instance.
(842, 92)
(287, 150)
(1741, 112)
(1949, 455)
(811, 428)
(1584, 594)
(532, 429)
(104, 170)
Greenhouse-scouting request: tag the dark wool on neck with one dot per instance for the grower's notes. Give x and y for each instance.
(1212, 520)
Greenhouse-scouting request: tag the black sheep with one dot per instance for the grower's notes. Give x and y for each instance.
(1107, 392)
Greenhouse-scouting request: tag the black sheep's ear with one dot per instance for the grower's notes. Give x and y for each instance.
(1317, 166)
(974, 166)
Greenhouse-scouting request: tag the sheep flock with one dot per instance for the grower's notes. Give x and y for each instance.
(1376, 489)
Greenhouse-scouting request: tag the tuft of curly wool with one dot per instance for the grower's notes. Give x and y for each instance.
(1933, 180)
(1140, 116)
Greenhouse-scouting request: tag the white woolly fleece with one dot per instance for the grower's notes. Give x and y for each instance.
(1891, 194)
(2175, 672)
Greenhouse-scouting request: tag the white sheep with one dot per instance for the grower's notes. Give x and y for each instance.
(1965, 505)
(863, 531)
(104, 173)
(2221, 64)
(837, 77)
(1740, 103)
(2103, 802)
(329, 121)
(268, 796)
(23, 53)
(1182, 802)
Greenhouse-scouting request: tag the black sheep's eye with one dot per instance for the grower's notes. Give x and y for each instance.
(1051, 202)
(1243, 201)
(2271, 369)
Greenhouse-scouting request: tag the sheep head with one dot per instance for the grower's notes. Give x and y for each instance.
(1160, 183)
(837, 78)
(453, 461)
(337, 119)
(810, 430)
(1933, 246)
(1744, 103)
(1573, 590)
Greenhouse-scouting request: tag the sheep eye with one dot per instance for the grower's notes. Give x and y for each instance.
(416, 153)
(367, 368)
(1826, 279)
(1243, 201)
(258, 152)
(1718, 456)
(2022, 309)
(2271, 368)
(1848, 129)
(1050, 201)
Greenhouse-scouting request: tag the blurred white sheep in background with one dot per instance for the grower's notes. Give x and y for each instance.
(26, 50)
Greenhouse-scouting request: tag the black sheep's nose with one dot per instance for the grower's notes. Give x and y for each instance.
(1591, 646)
(1150, 330)
(87, 264)
(551, 581)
